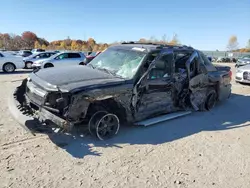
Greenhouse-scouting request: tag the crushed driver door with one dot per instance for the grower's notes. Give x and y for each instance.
(153, 92)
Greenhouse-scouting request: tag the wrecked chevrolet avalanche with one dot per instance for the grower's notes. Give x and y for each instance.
(135, 83)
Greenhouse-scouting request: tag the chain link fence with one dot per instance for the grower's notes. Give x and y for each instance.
(217, 54)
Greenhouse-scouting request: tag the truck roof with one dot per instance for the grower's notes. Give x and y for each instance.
(151, 46)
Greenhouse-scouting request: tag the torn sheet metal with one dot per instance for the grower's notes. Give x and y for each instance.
(198, 86)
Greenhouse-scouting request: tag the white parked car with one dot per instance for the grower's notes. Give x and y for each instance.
(61, 59)
(9, 63)
(36, 51)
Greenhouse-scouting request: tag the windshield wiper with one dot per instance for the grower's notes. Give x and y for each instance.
(90, 66)
(110, 72)
(106, 70)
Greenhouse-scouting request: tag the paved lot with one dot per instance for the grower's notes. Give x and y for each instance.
(204, 149)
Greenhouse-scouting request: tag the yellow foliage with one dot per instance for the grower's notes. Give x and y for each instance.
(44, 46)
(37, 44)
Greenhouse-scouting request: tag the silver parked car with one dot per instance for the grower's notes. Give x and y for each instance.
(61, 59)
(31, 59)
(242, 61)
(243, 74)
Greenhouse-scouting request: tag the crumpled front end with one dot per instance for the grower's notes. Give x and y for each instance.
(43, 105)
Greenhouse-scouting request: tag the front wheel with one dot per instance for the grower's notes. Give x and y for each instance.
(28, 65)
(104, 125)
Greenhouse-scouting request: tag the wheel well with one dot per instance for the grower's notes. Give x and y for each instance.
(48, 64)
(216, 88)
(109, 105)
(28, 62)
(9, 63)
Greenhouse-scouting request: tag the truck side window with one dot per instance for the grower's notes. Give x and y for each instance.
(163, 69)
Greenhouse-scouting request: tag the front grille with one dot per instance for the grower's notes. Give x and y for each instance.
(246, 75)
(238, 78)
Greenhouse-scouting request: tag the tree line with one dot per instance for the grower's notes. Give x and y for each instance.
(29, 40)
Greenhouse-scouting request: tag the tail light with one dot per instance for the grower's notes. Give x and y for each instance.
(230, 74)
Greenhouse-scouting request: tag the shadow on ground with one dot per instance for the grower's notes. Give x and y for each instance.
(230, 114)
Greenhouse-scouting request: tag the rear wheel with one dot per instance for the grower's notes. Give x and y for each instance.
(9, 67)
(211, 100)
(48, 65)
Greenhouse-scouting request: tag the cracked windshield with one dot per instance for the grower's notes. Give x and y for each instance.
(123, 63)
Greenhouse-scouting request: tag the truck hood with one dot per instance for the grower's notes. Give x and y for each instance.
(75, 77)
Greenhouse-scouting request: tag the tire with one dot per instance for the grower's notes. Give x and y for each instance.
(211, 99)
(28, 65)
(9, 67)
(48, 65)
(104, 125)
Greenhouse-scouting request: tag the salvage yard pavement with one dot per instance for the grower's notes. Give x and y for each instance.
(204, 149)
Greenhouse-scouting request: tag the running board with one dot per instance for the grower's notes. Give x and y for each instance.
(162, 118)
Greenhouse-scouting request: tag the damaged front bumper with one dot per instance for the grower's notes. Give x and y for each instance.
(28, 107)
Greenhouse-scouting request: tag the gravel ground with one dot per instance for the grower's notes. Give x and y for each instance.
(204, 149)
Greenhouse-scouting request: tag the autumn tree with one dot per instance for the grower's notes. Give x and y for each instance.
(142, 40)
(44, 47)
(29, 39)
(174, 40)
(232, 43)
(96, 48)
(16, 42)
(91, 43)
(37, 44)
(63, 45)
(68, 42)
(75, 45)
(84, 47)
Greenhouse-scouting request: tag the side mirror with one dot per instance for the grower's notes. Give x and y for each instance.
(85, 61)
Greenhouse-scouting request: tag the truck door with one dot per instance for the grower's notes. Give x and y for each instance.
(154, 90)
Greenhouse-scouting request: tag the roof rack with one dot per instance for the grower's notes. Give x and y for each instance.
(158, 45)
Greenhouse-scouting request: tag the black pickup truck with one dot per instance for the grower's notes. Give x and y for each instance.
(138, 83)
